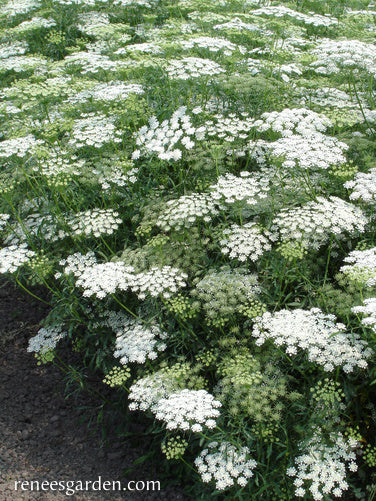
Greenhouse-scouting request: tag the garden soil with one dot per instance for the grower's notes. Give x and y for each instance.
(45, 436)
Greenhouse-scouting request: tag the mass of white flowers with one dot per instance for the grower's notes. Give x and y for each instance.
(325, 341)
(94, 129)
(188, 410)
(314, 223)
(23, 63)
(316, 151)
(95, 222)
(15, 7)
(115, 175)
(335, 56)
(226, 464)
(102, 279)
(249, 241)
(362, 267)
(321, 469)
(281, 11)
(147, 48)
(369, 309)
(91, 23)
(159, 282)
(19, 146)
(16, 48)
(92, 62)
(146, 392)
(137, 342)
(192, 67)
(237, 24)
(292, 121)
(229, 128)
(142, 3)
(13, 257)
(186, 210)
(248, 188)
(58, 164)
(3, 220)
(167, 139)
(47, 338)
(76, 264)
(97, 279)
(107, 92)
(35, 23)
(35, 225)
(213, 44)
(363, 187)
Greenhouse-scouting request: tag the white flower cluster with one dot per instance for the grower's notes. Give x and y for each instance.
(46, 339)
(91, 62)
(329, 97)
(281, 11)
(316, 151)
(108, 176)
(314, 223)
(188, 410)
(368, 308)
(3, 220)
(91, 23)
(142, 3)
(247, 188)
(136, 342)
(363, 186)
(321, 469)
(362, 267)
(12, 49)
(159, 281)
(146, 392)
(23, 63)
(186, 210)
(312, 330)
(285, 71)
(237, 24)
(19, 146)
(229, 128)
(76, 264)
(95, 222)
(147, 48)
(293, 121)
(14, 256)
(192, 67)
(35, 23)
(101, 279)
(166, 139)
(245, 242)
(335, 56)
(94, 129)
(112, 91)
(15, 7)
(36, 225)
(225, 464)
(59, 164)
(213, 44)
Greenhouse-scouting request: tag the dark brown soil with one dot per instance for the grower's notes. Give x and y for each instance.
(45, 436)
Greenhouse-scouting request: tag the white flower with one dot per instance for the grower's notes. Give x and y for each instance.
(321, 468)
(225, 464)
(245, 242)
(14, 256)
(324, 340)
(135, 341)
(187, 409)
(47, 338)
